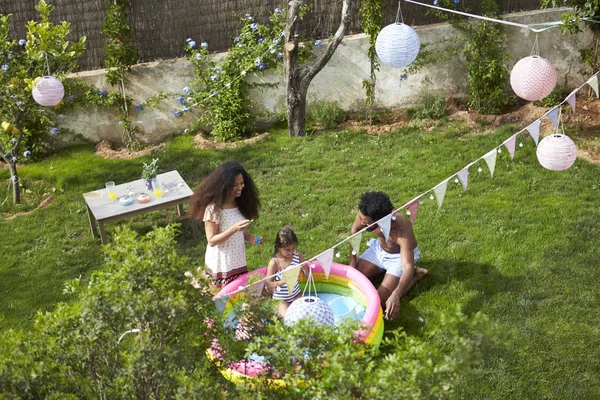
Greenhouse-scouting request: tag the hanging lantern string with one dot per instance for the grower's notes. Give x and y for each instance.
(545, 26)
(308, 262)
(47, 63)
(535, 51)
(399, 13)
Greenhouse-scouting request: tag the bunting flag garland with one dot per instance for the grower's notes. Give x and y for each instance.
(220, 303)
(413, 208)
(440, 192)
(572, 99)
(256, 290)
(490, 160)
(291, 277)
(510, 145)
(593, 82)
(355, 242)
(385, 224)
(534, 131)
(553, 115)
(326, 259)
(463, 176)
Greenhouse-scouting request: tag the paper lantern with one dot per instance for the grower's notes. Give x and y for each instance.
(49, 91)
(533, 78)
(556, 152)
(309, 307)
(397, 45)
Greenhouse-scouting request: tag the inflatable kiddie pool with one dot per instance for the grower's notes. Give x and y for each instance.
(345, 286)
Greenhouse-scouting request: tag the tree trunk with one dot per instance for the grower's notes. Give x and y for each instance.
(298, 77)
(14, 177)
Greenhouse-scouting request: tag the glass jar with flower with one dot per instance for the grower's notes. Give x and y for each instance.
(149, 172)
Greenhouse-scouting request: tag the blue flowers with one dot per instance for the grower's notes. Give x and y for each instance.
(26, 153)
(54, 131)
(19, 103)
(70, 97)
(248, 16)
(260, 40)
(185, 131)
(456, 2)
(319, 43)
(403, 77)
(278, 11)
(102, 92)
(176, 113)
(237, 39)
(254, 26)
(261, 66)
(5, 67)
(189, 40)
(137, 107)
(435, 2)
(273, 50)
(213, 92)
(277, 40)
(192, 44)
(22, 42)
(279, 55)
(204, 45)
(187, 90)
(218, 69)
(198, 56)
(181, 100)
(213, 77)
(9, 56)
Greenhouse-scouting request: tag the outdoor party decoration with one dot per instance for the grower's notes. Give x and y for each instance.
(533, 78)
(309, 307)
(397, 45)
(556, 152)
(48, 92)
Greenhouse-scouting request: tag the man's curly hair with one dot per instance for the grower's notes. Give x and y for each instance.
(375, 205)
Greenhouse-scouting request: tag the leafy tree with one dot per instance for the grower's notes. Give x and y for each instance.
(371, 14)
(27, 126)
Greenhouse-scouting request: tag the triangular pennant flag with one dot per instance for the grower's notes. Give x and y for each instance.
(572, 99)
(490, 160)
(355, 242)
(463, 176)
(553, 115)
(256, 289)
(440, 192)
(593, 82)
(290, 274)
(413, 208)
(325, 259)
(220, 303)
(534, 130)
(385, 225)
(510, 145)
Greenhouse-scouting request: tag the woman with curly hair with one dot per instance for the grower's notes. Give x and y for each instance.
(227, 201)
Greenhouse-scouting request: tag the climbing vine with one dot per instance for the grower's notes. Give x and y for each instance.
(371, 20)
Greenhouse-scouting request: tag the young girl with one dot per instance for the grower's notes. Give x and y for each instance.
(285, 255)
(227, 201)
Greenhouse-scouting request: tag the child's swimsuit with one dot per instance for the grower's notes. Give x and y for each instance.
(281, 292)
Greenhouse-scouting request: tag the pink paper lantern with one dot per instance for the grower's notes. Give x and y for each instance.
(533, 78)
(556, 152)
(48, 92)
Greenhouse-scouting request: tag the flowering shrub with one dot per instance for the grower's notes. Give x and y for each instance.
(220, 88)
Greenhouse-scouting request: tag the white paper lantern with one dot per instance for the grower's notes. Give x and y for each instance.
(533, 78)
(49, 91)
(309, 307)
(397, 45)
(556, 152)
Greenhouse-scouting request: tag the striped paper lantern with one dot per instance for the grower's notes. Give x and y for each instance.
(309, 307)
(556, 152)
(48, 92)
(533, 78)
(397, 45)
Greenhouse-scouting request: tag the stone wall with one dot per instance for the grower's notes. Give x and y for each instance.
(341, 80)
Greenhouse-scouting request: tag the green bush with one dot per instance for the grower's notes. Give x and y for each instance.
(326, 114)
(555, 97)
(431, 106)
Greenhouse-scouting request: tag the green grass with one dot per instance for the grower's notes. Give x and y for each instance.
(522, 247)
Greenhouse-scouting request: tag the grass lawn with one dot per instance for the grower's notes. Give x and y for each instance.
(522, 247)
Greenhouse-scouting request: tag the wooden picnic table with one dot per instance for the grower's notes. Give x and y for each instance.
(101, 209)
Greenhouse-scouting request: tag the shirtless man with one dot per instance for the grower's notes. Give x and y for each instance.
(395, 257)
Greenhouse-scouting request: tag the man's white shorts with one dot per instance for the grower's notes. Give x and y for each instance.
(388, 262)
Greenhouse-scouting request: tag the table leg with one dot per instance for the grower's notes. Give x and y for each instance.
(180, 210)
(92, 222)
(102, 233)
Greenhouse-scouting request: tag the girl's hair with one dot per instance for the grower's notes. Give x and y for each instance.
(285, 237)
(215, 186)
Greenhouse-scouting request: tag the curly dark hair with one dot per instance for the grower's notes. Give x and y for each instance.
(285, 237)
(375, 205)
(215, 186)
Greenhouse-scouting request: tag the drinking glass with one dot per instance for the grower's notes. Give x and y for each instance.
(110, 189)
(157, 187)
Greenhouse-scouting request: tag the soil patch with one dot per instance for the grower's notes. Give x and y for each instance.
(43, 204)
(105, 149)
(203, 143)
